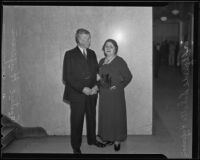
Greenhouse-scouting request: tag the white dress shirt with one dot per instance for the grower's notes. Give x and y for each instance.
(82, 50)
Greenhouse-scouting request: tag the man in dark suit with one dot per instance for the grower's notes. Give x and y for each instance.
(80, 70)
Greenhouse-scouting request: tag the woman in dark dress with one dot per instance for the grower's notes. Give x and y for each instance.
(114, 76)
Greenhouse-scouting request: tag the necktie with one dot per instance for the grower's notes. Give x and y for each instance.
(84, 53)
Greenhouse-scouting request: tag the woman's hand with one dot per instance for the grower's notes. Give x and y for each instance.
(94, 90)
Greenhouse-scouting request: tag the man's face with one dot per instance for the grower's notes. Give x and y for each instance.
(84, 40)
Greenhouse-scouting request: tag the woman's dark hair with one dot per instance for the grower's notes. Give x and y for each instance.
(113, 42)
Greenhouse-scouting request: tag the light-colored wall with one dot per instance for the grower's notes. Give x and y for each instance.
(44, 33)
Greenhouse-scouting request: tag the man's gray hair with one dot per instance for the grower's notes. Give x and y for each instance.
(80, 31)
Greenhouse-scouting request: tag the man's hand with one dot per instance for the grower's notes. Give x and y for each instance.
(94, 90)
(87, 91)
(113, 87)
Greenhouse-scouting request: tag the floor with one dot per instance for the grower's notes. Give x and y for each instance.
(172, 126)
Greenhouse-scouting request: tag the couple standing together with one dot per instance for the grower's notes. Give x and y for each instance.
(84, 78)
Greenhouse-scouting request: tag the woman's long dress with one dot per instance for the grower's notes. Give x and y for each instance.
(112, 106)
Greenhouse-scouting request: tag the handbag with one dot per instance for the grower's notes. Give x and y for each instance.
(106, 81)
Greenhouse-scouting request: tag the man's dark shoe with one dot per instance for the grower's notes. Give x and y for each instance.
(77, 151)
(98, 144)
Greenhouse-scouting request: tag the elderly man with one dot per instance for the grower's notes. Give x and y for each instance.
(80, 70)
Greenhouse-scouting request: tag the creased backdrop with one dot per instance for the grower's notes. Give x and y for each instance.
(35, 39)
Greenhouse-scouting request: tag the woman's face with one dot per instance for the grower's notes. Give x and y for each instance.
(109, 49)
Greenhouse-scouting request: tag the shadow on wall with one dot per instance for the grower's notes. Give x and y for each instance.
(12, 130)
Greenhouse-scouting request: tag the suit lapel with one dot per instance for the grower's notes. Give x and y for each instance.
(81, 54)
(81, 59)
(78, 51)
(88, 55)
(85, 64)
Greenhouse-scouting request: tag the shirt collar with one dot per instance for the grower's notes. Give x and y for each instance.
(109, 60)
(82, 49)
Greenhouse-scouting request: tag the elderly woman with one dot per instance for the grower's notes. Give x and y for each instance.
(114, 77)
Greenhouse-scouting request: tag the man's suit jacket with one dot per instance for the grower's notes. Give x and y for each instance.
(78, 73)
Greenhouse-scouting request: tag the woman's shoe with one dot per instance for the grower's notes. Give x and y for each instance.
(117, 147)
